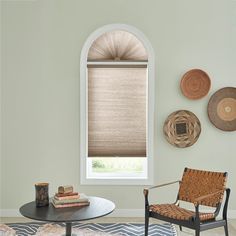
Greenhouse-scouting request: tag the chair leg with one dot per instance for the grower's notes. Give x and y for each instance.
(226, 229)
(197, 232)
(180, 227)
(146, 225)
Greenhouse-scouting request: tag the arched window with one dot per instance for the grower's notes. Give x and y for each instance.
(117, 104)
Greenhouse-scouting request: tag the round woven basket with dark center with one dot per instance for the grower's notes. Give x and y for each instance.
(195, 84)
(222, 109)
(182, 128)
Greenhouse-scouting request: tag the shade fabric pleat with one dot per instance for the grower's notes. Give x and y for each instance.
(117, 112)
(117, 45)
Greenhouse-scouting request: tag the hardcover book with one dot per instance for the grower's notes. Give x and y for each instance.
(79, 204)
(66, 194)
(67, 197)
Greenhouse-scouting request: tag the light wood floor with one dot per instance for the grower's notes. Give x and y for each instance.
(185, 232)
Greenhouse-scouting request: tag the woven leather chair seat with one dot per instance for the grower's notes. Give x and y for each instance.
(178, 213)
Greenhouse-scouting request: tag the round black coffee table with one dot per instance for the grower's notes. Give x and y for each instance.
(98, 207)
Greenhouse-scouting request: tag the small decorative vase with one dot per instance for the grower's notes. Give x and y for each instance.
(41, 192)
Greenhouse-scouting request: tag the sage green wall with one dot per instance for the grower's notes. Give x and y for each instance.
(41, 45)
(0, 112)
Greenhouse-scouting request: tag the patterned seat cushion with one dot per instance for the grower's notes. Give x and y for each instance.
(178, 213)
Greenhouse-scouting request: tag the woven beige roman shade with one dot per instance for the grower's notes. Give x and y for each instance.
(117, 96)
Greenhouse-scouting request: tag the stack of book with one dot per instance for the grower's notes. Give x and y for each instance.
(66, 197)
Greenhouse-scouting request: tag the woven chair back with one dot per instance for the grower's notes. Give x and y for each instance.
(197, 183)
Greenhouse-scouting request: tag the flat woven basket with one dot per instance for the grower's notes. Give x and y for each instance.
(222, 109)
(182, 128)
(195, 84)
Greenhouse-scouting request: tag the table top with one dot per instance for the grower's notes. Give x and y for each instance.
(98, 207)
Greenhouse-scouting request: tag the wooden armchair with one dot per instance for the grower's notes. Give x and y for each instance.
(202, 188)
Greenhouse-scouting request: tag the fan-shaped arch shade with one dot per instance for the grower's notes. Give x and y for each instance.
(117, 45)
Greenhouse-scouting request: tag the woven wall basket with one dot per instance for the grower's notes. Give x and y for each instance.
(182, 128)
(222, 109)
(195, 84)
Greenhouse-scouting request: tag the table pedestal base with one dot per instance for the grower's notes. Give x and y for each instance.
(69, 229)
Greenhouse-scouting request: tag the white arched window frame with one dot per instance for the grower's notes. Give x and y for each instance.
(84, 109)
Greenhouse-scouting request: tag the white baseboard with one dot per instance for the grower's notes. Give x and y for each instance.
(116, 213)
(127, 213)
(232, 214)
(10, 213)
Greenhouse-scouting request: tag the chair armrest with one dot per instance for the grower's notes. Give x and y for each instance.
(146, 190)
(199, 199)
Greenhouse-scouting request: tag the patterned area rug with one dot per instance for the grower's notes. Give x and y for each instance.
(92, 229)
